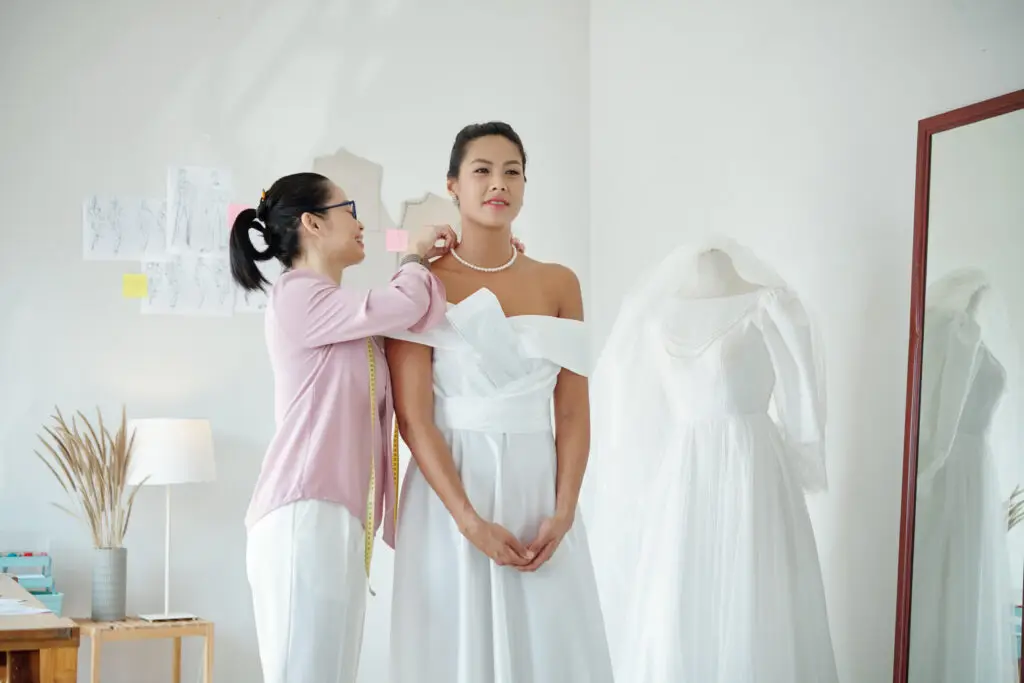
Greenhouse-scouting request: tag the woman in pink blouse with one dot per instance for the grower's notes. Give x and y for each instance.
(328, 474)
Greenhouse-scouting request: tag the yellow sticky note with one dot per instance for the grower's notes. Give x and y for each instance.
(134, 286)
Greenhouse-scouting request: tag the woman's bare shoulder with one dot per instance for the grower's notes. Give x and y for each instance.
(560, 285)
(555, 275)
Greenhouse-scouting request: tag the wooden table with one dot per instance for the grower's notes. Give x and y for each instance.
(36, 648)
(134, 628)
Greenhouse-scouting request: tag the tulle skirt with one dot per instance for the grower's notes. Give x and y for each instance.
(725, 585)
(962, 603)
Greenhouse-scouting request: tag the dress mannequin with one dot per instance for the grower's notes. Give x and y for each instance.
(708, 414)
(715, 276)
(962, 586)
(974, 302)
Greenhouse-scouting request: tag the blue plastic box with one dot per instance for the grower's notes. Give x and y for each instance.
(40, 585)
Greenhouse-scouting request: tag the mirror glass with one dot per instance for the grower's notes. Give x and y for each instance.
(968, 564)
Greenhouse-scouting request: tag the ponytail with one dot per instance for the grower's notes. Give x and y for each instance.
(244, 254)
(277, 217)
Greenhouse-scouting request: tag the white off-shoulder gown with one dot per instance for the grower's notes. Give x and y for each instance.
(458, 617)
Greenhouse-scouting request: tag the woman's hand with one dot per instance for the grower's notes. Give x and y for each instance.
(551, 532)
(423, 241)
(497, 543)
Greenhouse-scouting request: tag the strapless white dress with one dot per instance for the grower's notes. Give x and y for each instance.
(457, 617)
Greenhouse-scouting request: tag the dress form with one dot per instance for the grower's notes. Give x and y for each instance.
(715, 275)
(711, 462)
(974, 302)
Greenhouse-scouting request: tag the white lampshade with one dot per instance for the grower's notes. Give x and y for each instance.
(171, 451)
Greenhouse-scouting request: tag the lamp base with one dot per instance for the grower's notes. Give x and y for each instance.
(168, 616)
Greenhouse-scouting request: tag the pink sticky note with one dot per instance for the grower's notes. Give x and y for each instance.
(233, 211)
(397, 240)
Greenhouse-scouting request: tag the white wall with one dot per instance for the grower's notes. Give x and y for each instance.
(101, 98)
(792, 128)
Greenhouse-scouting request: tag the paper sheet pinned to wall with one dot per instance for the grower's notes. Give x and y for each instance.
(193, 285)
(123, 228)
(256, 301)
(431, 209)
(181, 240)
(134, 286)
(197, 204)
(233, 211)
(397, 240)
(387, 223)
(377, 268)
(360, 179)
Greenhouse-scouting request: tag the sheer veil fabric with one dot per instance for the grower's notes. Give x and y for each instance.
(708, 429)
(964, 304)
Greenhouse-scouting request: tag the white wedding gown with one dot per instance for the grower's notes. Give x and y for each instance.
(457, 617)
(704, 551)
(962, 605)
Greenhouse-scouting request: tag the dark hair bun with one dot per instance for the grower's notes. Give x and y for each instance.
(480, 130)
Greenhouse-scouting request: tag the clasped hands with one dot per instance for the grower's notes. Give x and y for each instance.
(499, 544)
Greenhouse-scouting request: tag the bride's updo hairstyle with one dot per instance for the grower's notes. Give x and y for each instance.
(481, 130)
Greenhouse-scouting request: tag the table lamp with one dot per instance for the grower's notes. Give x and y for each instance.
(165, 452)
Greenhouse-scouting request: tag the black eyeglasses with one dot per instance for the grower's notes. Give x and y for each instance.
(350, 202)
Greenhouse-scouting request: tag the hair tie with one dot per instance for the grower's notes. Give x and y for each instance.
(261, 208)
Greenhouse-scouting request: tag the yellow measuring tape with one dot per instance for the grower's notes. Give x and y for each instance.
(371, 497)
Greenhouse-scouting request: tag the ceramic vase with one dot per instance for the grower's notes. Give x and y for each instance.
(109, 583)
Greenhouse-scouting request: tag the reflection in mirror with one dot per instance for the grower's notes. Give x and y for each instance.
(968, 562)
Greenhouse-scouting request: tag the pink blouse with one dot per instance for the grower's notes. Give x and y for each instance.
(317, 339)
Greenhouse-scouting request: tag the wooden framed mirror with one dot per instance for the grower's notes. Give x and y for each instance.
(961, 557)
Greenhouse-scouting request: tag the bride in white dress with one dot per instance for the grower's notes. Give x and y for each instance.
(705, 555)
(493, 581)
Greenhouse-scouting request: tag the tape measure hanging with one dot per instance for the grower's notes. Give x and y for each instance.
(371, 498)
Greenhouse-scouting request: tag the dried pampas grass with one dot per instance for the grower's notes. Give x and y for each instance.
(91, 466)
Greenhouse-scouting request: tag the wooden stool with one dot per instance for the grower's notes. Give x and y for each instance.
(134, 628)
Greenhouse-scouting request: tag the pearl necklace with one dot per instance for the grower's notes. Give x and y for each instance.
(512, 260)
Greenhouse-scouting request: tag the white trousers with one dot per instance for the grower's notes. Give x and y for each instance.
(305, 568)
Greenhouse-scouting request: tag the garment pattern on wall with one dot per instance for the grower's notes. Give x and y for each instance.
(181, 240)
